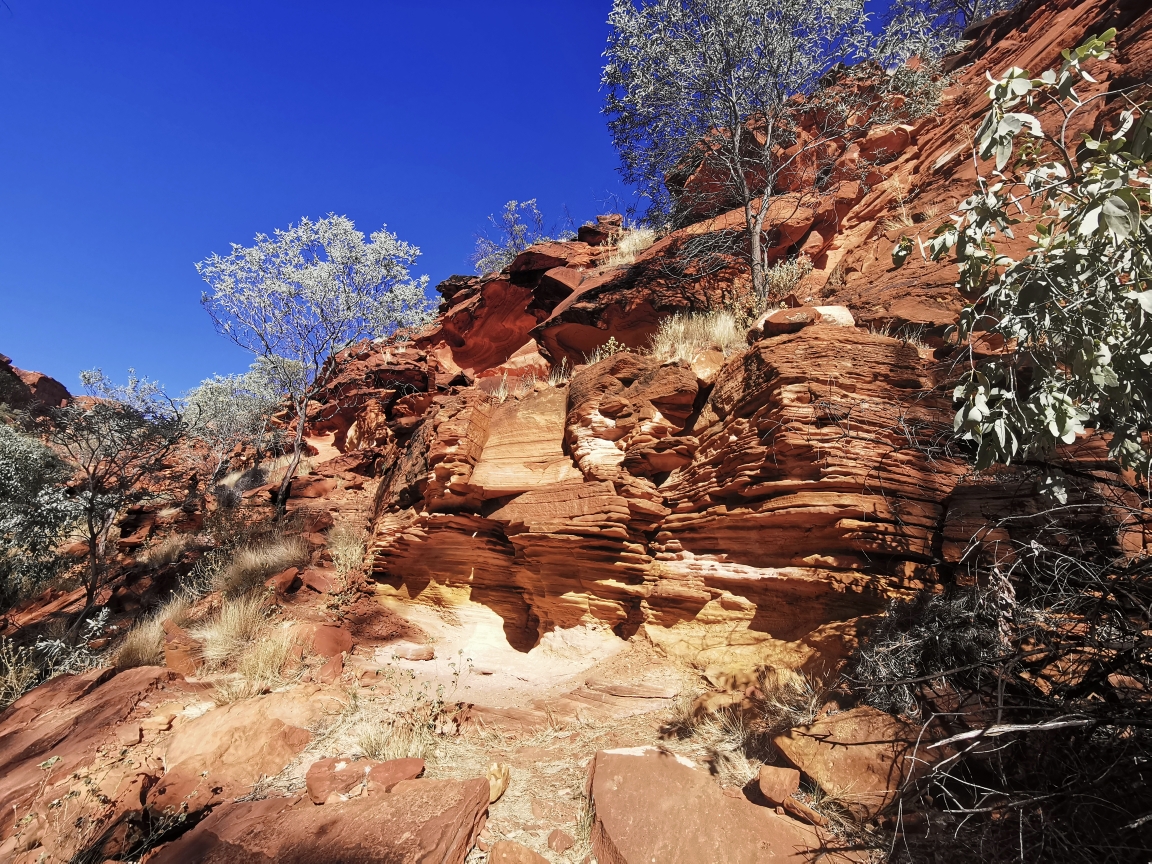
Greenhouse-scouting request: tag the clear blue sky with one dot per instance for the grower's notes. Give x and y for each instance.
(138, 137)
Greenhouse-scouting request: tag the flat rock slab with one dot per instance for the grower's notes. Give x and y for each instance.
(860, 756)
(631, 691)
(652, 805)
(419, 822)
(220, 754)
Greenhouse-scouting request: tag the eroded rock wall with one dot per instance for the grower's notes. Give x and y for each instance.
(748, 506)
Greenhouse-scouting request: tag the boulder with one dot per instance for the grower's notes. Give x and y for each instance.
(220, 754)
(560, 841)
(777, 784)
(329, 641)
(781, 321)
(385, 775)
(419, 821)
(883, 143)
(286, 582)
(406, 651)
(328, 777)
(331, 671)
(320, 581)
(861, 756)
(652, 805)
(312, 487)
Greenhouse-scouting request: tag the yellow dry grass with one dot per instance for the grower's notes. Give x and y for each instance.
(239, 622)
(684, 337)
(143, 645)
(632, 244)
(251, 565)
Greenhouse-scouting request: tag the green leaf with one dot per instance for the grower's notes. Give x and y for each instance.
(1144, 298)
(901, 251)
(1120, 217)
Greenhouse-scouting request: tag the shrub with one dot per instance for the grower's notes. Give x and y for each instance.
(34, 513)
(1075, 312)
(18, 672)
(608, 349)
(783, 277)
(513, 236)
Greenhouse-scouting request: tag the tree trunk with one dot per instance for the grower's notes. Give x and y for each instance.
(91, 579)
(286, 483)
(759, 289)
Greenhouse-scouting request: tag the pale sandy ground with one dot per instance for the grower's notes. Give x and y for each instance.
(474, 664)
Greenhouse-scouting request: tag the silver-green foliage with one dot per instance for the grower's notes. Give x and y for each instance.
(301, 296)
(117, 444)
(1076, 310)
(520, 225)
(34, 512)
(225, 411)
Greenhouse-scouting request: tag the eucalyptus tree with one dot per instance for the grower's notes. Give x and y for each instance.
(1075, 310)
(951, 17)
(118, 442)
(721, 77)
(520, 225)
(299, 297)
(34, 511)
(227, 411)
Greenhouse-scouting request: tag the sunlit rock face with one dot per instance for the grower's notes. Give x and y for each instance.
(747, 505)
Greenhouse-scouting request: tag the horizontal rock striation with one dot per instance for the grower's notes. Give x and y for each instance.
(739, 506)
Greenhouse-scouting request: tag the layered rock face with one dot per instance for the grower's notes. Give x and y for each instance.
(741, 507)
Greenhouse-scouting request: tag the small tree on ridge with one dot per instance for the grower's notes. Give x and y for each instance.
(296, 299)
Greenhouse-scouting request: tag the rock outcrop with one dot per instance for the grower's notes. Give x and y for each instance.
(748, 507)
(30, 390)
(529, 466)
(654, 806)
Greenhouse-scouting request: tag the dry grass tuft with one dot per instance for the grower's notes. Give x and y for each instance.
(346, 545)
(143, 645)
(783, 277)
(500, 394)
(166, 551)
(260, 668)
(394, 738)
(17, 672)
(240, 622)
(251, 565)
(560, 374)
(632, 244)
(684, 337)
(790, 699)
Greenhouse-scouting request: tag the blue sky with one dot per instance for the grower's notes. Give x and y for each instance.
(138, 137)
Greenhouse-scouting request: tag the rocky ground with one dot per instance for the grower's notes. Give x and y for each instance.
(535, 603)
